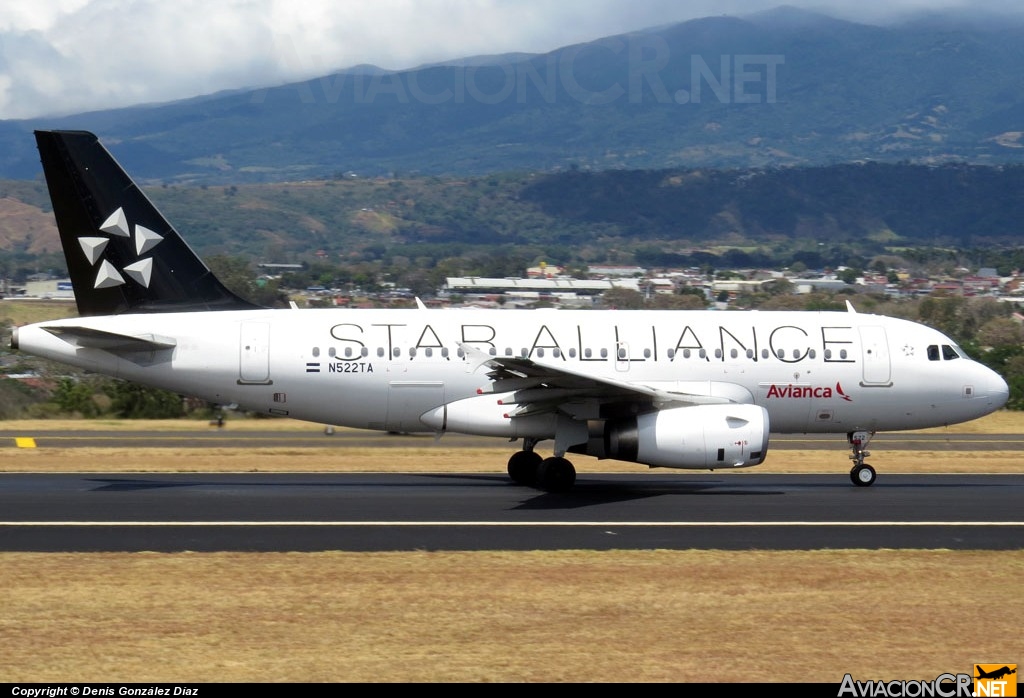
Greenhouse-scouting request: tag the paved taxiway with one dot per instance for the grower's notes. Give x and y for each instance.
(466, 511)
(448, 511)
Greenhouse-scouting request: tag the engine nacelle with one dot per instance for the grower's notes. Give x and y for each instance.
(699, 437)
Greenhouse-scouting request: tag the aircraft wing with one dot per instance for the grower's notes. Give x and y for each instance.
(538, 387)
(113, 342)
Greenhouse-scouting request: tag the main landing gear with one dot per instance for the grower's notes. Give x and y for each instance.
(553, 474)
(861, 474)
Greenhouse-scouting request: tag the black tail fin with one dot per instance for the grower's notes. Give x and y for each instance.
(122, 255)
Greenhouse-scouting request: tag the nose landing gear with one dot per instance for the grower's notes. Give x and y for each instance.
(862, 474)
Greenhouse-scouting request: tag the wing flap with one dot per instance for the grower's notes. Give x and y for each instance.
(541, 387)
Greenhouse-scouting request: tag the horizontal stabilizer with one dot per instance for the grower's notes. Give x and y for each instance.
(110, 341)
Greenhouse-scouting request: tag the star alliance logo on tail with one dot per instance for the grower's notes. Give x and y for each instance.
(116, 225)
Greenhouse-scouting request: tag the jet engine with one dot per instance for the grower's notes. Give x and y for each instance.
(699, 437)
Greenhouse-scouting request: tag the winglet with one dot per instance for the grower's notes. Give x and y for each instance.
(474, 357)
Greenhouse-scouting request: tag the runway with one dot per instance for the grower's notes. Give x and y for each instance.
(466, 511)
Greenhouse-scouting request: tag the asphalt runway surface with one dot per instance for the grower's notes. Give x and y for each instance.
(662, 509)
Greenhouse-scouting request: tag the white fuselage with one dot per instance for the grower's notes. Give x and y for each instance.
(384, 369)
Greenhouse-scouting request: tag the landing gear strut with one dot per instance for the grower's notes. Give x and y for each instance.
(554, 474)
(862, 474)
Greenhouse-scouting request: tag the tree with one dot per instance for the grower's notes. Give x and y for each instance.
(1000, 332)
(677, 301)
(237, 274)
(622, 299)
(75, 397)
(133, 401)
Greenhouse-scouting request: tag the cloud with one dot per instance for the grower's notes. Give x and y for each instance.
(66, 56)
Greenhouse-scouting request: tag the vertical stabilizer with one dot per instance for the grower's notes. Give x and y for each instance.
(122, 255)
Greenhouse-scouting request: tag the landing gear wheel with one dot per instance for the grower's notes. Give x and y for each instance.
(863, 475)
(523, 467)
(556, 475)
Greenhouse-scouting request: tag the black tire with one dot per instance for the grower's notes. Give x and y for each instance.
(863, 475)
(556, 475)
(523, 467)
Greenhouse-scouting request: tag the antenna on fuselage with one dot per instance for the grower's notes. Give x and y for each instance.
(849, 307)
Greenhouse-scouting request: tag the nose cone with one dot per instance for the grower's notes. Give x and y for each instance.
(998, 390)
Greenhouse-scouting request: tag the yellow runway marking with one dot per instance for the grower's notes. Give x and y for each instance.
(24, 442)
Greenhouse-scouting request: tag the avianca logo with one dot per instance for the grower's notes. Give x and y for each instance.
(800, 392)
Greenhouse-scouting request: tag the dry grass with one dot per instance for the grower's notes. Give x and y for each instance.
(571, 616)
(1001, 422)
(565, 616)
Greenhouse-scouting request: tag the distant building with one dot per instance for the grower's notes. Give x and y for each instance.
(50, 288)
(599, 270)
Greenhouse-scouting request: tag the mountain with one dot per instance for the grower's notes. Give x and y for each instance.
(778, 88)
(821, 216)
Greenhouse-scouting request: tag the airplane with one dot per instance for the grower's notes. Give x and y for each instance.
(995, 673)
(698, 389)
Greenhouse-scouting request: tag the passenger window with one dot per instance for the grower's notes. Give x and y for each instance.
(316, 351)
(604, 353)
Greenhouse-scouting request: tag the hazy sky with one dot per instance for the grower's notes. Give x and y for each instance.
(67, 56)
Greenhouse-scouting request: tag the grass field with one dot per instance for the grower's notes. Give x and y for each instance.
(494, 616)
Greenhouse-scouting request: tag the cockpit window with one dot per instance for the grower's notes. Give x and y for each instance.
(946, 352)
